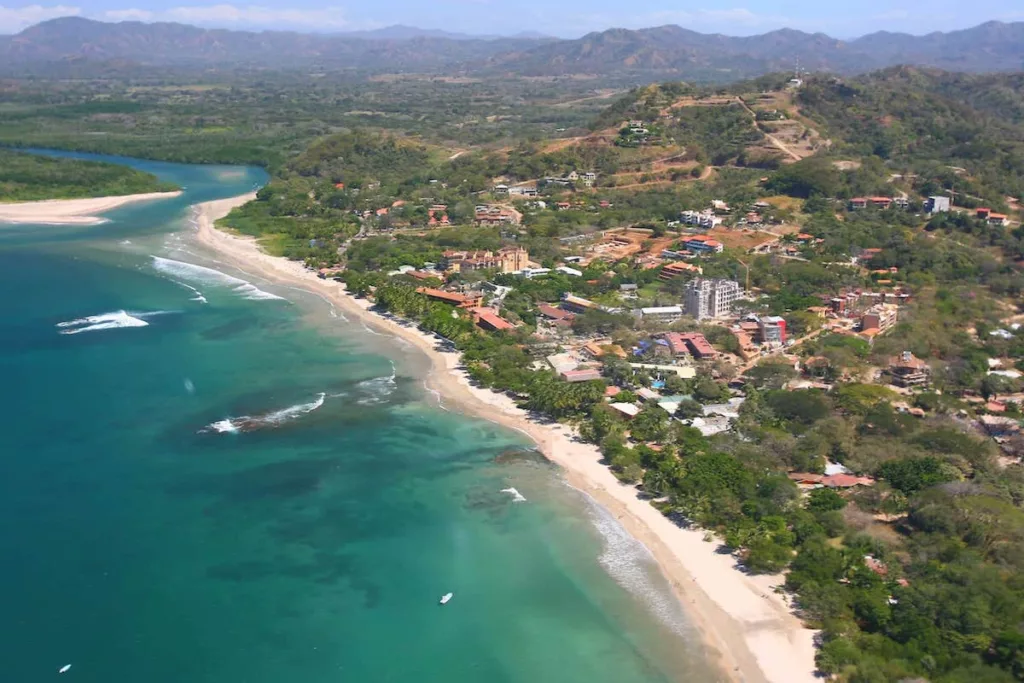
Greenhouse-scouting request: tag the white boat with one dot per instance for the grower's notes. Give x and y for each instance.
(446, 597)
(64, 669)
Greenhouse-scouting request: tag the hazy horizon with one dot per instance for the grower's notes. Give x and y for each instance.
(568, 20)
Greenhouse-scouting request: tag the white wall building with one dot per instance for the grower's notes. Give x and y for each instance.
(706, 298)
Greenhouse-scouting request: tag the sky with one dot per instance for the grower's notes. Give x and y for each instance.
(562, 18)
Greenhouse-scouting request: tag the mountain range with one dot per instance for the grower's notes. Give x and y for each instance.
(655, 53)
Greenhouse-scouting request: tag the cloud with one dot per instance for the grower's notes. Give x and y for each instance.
(13, 19)
(326, 18)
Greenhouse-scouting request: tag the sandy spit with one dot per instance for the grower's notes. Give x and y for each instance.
(749, 630)
(72, 211)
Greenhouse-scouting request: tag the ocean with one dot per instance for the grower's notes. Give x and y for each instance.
(210, 478)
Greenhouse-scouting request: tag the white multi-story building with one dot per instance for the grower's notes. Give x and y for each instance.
(707, 298)
(704, 219)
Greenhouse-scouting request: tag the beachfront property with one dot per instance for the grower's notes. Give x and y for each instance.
(711, 298)
(453, 298)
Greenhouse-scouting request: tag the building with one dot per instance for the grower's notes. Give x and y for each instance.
(693, 344)
(703, 219)
(661, 314)
(906, 370)
(998, 219)
(487, 319)
(569, 271)
(497, 215)
(588, 179)
(706, 298)
(577, 304)
(453, 298)
(772, 330)
(881, 318)
(703, 244)
(529, 192)
(858, 203)
(581, 375)
(674, 270)
(936, 204)
(506, 260)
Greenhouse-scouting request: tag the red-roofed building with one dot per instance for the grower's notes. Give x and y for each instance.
(553, 313)
(489, 320)
(983, 213)
(674, 270)
(703, 244)
(845, 481)
(691, 344)
(998, 219)
(581, 375)
(453, 298)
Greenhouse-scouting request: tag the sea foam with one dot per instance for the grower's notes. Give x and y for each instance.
(516, 496)
(208, 276)
(632, 565)
(104, 321)
(247, 423)
(376, 391)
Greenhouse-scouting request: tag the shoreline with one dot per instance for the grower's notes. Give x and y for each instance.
(73, 211)
(749, 632)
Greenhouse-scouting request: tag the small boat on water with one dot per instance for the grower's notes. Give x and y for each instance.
(446, 597)
(64, 669)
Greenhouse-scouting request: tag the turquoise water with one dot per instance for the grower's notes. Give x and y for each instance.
(207, 478)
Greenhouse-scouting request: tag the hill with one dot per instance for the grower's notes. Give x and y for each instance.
(654, 53)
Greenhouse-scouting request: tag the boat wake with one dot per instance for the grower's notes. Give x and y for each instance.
(107, 321)
(247, 423)
(208, 276)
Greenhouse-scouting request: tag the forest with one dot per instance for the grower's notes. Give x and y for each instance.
(917, 577)
(30, 177)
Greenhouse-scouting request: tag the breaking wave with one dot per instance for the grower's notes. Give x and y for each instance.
(106, 321)
(436, 394)
(378, 389)
(247, 423)
(208, 276)
(516, 496)
(631, 564)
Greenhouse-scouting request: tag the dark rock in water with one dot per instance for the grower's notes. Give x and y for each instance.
(514, 456)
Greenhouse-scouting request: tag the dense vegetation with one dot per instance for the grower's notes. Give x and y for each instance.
(919, 577)
(30, 177)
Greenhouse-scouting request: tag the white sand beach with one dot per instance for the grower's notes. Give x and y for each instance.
(749, 629)
(72, 211)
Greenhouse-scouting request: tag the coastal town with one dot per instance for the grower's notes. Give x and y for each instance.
(806, 365)
(751, 351)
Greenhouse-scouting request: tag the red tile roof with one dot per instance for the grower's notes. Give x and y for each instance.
(441, 295)
(491, 320)
(549, 311)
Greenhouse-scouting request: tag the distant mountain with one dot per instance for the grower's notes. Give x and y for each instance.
(401, 32)
(170, 44)
(647, 54)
